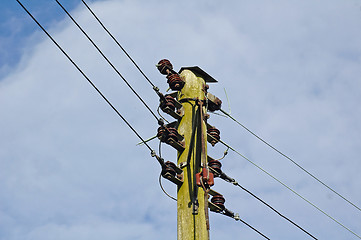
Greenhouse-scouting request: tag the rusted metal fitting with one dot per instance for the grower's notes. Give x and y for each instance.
(166, 134)
(216, 166)
(169, 102)
(205, 177)
(171, 172)
(175, 82)
(214, 103)
(219, 201)
(215, 135)
(164, 66)
(170, 135)
(170, 168)
(161, 135)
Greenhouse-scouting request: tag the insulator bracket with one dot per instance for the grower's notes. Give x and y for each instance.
(213, 135)
(214, 103)
(169, 135)
(171, 106)
(173, 173)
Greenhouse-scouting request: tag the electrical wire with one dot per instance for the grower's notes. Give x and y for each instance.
(165, 192)
(290, 159)
(283, 216)
(289, 188)
(107, 60)
(234, 182)
(245, 223)
(120, 46)
(160, 175)
(89, 81)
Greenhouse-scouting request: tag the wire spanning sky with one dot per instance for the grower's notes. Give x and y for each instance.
(70, 169)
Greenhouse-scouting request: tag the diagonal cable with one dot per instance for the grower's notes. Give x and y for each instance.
(290, 159)
(224, 176)
(160, 160)
(273, 209)
(108, 61)
(289, 188)
(245, 223)
(119, 45)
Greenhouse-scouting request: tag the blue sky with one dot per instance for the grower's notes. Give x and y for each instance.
(70, 169)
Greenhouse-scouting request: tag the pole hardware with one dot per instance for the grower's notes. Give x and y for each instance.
(170, 136)
(214, 135)
(214, 103)
(172, 173)
(171, 106)
(205, 178)
(174, 80)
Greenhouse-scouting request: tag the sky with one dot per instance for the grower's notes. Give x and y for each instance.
(71, 169)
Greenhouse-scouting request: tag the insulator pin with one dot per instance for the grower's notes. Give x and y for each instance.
(216, 135)
(175, 82)
(216, 166)
(170, 168)
(166, 134)
(219, 201)
(168, 102)
(164, 65)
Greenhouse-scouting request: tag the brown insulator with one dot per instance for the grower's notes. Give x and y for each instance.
(162, 134)
(216, 165)
(175, 82)
(172, 134)
(170, 168)
(215, 133)
(164, 65)
(219, 201)
(168, 102)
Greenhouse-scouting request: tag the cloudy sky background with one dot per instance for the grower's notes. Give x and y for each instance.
(70, 168)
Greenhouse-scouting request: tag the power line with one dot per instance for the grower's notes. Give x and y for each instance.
(160, 160)
(289, 188)
(108, 61)
(120, 46)
(273, 209)
(234, 182)
(237, 218)
(290, 159)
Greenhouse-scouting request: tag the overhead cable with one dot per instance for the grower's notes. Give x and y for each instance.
(108, 61)
(234, 182)
(236, 217)
(153, 154)
(289, 188)
(120, 46)
(290, 159)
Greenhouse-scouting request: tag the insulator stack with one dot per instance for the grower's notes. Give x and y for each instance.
(219, 201)
(161, 133)
(172, 134)
(168, 102)
(216, 135)
(215, 165)
(166, 134)
(174, 80)
(170, 168)
(164, 66)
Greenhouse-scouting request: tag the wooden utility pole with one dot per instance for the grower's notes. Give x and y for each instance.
(192, 202)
